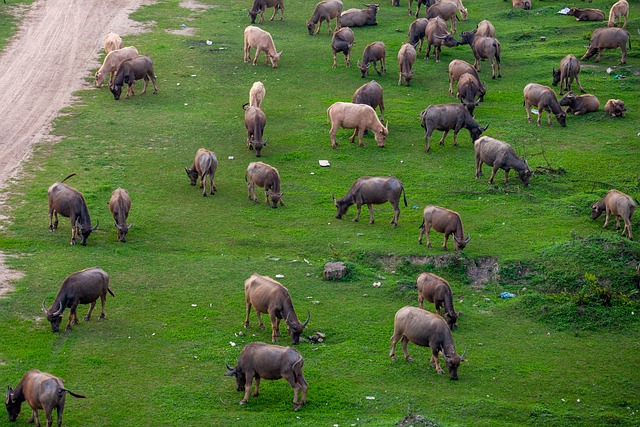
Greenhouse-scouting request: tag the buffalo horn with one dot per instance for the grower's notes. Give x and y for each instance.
(228, 367)
(486, 127)
(467, 238)
(94, 228)
(335, 202)
(129, 226)
(44, 308)
(446, 359)
(440, 37)
(117, 226)
(463, 353)
(59, 310)
(306, 321)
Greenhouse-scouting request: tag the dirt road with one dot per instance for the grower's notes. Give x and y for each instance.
(56, 46)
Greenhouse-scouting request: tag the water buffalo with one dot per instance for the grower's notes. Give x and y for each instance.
(620, 205)
(521, 4)
(427, 4)
(119, 205)
(438, 291)
(437, 35)
(446, 117)
(416, 32)
(569, 70)
(342, 41)
(615, 108)
(485, 28)
(373, 53)
(205, 164)
(586, 14)
(370, 94)
(41, 391)
(359, 117)
(324, 11)
(443, 221)
(457, 68)
(260, 6)
(545, 99)
(582, 104)
(81, 287)
(256, 94)
(360, 17)
(262, 41)
(130, 70)
(618, 11)
(111, 63)
(255, 120)
(470, 91)
(446, 10)
(372, 190)
(266, 176)
(406, 58)
(427, 330)
(270, 362)
(266, 295)
(69, 202)
(112, 42)
(500, 155)
(608, 38)
(483, 48)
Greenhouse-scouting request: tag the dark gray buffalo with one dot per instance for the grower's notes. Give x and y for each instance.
(255, 120)
(270, 362)
(438, 291)
(370, 94)
(443, 221)
(81, 287)
(372, 190)
(342, 41)
(416, 32)
(41, 391)
(483, 48)
(360, 17)
(446, 117)
(119, 205)
(427, 330)
(437, 35)
(130, 70)
(266, 295)
(67, 201)
(500, 155)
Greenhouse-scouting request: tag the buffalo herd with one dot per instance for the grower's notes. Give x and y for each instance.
(266, 295)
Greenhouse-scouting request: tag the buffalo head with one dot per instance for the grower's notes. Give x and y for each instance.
(122, 231)
(257, 145)
(597, 209)
(241, 378)
(275, 199)
(192, 174)
(13, 407)
(85, 230)
(476, 131)
(53, 316)
(381, 135)
(525, 174)
(364, 69)
(461, 243)
(453, 363)
(252, 14)
(311, 27)
(116, 90)
(467, 37)
(296, 328)
(556, 77)
(342, 206)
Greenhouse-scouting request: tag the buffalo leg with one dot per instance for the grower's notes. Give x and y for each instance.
(274, 328)
(606, 218)
(455, 137)
(428, 227)
(478, 167)
(146, 83)
(527, 107)
(446, 238)
(60, 410)
(394, 341)
(371, 219)
(246, 319)
(53, 225)
(247, 388)
(277, 326)
(255, 58)
(347, 58)
(256, 391)
(335, 60)
(260, 324)
(493, 174)
(444, 135)
(404, 341)
(332, 134)
(35, 417)
(435, 361)
(623, 48)
(103, 300)
(396, 215)
(427, 136)
(88, 316)
(359, 207)
(352, 138)
(420, 300)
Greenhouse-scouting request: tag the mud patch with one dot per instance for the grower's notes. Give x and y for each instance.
(185, 31)
(416, 421)
(7, 277)
(195, 6)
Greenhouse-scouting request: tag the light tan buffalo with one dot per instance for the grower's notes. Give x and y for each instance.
(427, 330)
(205, 164)
(406, 58)
(586, 14)
(256, 94)
(618, 204)
(582, 104)
(112, 61)
(120, 205)
(435, 289)
(545, 99)
(261, 41)
(443, 221)
(359, 117)
(618, 11)
(615, 108)
(500, 155)
(266, 176)
(324, 11)
(485, 28)
(112, 42)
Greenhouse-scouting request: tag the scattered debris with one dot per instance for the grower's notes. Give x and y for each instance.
(317, 337)
(279, 276)
(506, 295)
(377, 284)
(324, 163)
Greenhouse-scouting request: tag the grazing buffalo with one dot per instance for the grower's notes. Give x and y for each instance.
(438, 291)
(111, 63)
(41, 391)
(261, 41)
(270, 362)
(120, 205)
(483, 48)
(618, 11)
(359, 117)
(521, 4)
(342, 41)
(372, 190)
(406, 58)
(256, 94)
(205, 164)
(582, 104)
(81, 287)
(360, 17)
(500, 155)
(260, 6)
(325, 11)
(619, 205)
(427, 330)
(112, 42)
(255, 120)
(608, 38)
(130, 70)
(437, 35)
(69, 202)
(445, 10)
(416, 32)
(485, 28)
(470, 91)
(373, 53)
(545, 99)
(370, 94)
(457, 68)
(586, 14)
(446, 117)
(464, 13)
(615, 108)
(427, 4)
(443, 221)
(266, 295)
(266, 176)
(568, 71)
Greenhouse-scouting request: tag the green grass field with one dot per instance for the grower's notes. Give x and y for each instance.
(554, 355)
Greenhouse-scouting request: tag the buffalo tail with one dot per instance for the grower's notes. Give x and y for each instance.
(109, 290)
(73, 174)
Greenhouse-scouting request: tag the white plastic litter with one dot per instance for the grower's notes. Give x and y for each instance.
(564, 11)
(324, 163)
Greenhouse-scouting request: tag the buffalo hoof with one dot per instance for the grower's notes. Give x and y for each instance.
(101, 317)
(86, 318)
(394, 358)
(242, 402)
(410, 359)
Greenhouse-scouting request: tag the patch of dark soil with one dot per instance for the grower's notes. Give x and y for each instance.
(415, 421)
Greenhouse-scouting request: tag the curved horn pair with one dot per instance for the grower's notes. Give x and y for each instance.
(44, 308)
